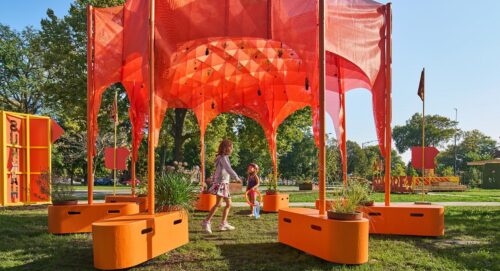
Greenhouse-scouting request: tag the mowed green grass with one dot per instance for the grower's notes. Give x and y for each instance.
(472, 242)
(475, 195)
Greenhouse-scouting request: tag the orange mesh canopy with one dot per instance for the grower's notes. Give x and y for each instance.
(257, 58)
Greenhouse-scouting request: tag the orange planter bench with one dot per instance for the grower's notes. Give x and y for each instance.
(79, 218)
(127, 241)
(406, 219)
(141, 201)
(205, 202)
(343, 242)
(273, 203)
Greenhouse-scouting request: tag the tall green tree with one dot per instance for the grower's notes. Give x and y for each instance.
(22, 75)
(438, 130)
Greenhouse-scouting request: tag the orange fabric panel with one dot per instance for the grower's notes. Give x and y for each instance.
(107, 69)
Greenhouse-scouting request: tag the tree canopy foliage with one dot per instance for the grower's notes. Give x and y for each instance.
(438, 130)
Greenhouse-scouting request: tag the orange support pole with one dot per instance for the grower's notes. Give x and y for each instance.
(322, 153)
(132, 165)
(388, 105)
(151, 130)
(90, 92)
(202, 158)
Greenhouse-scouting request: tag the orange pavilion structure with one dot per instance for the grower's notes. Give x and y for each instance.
(263, 59)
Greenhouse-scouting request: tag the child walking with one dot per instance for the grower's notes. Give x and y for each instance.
(220, 187)
(253, 182)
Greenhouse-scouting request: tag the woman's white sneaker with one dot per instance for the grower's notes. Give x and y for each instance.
(207, 227)
(226, 227)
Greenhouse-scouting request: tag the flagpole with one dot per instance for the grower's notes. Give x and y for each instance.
(115, 121)
(423, 136)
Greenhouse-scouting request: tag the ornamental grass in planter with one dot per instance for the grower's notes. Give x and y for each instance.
(61, 193)
(351, 197)
(174, 191)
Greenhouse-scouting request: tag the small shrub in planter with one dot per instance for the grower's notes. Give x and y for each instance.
(174, 191)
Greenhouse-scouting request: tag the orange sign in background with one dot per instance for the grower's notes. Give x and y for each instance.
(25, 155)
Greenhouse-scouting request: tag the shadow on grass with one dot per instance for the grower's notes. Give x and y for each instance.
(270, 256)
(471, 239)
(26, 244)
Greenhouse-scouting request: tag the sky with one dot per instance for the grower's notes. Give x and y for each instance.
(457, 41)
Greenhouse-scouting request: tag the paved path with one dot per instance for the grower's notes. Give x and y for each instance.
(311, 204)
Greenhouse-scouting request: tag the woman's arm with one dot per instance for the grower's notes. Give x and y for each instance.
(225, 164)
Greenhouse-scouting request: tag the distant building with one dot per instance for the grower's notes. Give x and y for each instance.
(491, 173)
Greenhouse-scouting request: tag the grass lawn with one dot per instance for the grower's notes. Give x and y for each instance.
(472, 242)
(476, 195)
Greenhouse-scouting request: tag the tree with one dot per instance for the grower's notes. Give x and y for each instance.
(357, 163)
(474, 146)
(438, 130)
(302, 160)
(21, 71)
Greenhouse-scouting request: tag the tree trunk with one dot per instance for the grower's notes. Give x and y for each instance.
(163, 158)
(178, 128)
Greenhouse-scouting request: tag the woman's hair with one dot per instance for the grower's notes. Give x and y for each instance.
(225, 147)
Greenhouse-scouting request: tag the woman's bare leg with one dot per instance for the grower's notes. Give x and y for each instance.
(226, 210)
(214, 209)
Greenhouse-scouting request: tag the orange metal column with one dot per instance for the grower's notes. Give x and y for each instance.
(202, 154)
(151, 130)
(388, 105)
(90, 92)
(322, 153)
(132, 165)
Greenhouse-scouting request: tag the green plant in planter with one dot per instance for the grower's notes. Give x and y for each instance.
(59, 191)
(350, 198)
(174, 191)
(304, 180)
(365, 185)
(142, 189)
(272, 184)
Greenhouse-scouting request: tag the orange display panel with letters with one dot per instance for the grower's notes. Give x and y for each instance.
(25, 155)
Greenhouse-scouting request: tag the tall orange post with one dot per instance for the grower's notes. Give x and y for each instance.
(322, 153)
(132, 165)
(388, 105)
(90, 92)
(151, 130)
(202, 154)
(344, 132)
